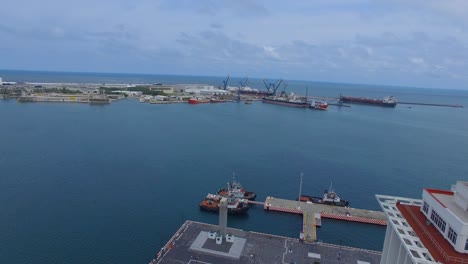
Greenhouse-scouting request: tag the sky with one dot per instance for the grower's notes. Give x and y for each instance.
(421, 43)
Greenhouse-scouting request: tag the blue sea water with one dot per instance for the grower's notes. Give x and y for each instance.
(111, 184)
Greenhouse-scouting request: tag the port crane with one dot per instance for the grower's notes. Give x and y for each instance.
(272, 87)
(225, 82)
(243, 83)
(285, 85)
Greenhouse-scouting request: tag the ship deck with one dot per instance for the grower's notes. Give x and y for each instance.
(190, 245)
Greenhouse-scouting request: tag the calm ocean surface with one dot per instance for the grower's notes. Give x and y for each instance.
(111, 184)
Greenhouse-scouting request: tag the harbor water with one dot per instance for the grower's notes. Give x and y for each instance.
(111, 184)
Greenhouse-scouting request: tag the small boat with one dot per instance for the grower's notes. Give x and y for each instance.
(248, 102)
(235, 205)
(318, 105)
(236, 190)
(329, 197)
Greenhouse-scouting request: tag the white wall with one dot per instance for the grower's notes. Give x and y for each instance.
(451, 220)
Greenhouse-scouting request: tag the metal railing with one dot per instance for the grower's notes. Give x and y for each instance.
(439, 248)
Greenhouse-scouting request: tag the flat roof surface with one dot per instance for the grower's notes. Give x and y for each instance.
(437, 245)
(449, 202)
(259, 248)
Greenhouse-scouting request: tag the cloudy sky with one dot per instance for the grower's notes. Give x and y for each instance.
(394, 42)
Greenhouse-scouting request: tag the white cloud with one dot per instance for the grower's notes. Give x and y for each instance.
(419, 61)
(271, 52)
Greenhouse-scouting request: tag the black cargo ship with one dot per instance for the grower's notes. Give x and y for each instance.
(285, 101)
(388, 101)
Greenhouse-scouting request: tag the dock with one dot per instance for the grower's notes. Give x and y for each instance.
(60, 98)
(338, 104)
(191, 244)
(430, 104)
(312, 214)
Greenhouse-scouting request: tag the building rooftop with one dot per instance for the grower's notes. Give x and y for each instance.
(440, 249)
(447, 200)
(191, 244)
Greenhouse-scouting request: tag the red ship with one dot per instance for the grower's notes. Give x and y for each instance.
(235, 205)
(318, 105)
(194, 100)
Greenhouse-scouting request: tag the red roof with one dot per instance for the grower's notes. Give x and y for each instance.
(432, 239)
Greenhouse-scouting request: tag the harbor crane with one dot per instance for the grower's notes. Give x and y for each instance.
(243, 84)
(272, 87)
(284, 88)
(225, 82)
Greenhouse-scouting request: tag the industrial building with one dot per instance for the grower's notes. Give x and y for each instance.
(431, 230)
(164, 88)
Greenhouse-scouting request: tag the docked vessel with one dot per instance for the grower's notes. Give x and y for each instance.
(388, 101)
(236, 190)
(329, 197)
(235, 205)
(216, 100)
(318, 105)
(194, 100)
(292, 102)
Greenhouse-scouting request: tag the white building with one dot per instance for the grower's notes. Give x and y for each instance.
(160, 98)
(200, 89)
(129, 93)
(245, 89)
(431, 230)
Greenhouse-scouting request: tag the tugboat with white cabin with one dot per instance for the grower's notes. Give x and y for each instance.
(329, 197)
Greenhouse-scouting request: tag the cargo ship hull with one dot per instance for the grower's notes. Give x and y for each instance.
(231, 211)
(367, 101)
(198, 101)
(285, 103)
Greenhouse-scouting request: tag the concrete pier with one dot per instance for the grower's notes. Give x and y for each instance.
(312, 214)
(326, 211)
(60, 98)
(431, 104)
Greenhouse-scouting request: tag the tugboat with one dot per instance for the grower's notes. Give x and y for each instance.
(235, 205)
(235, 188)
(329, 197)
(318, 105)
